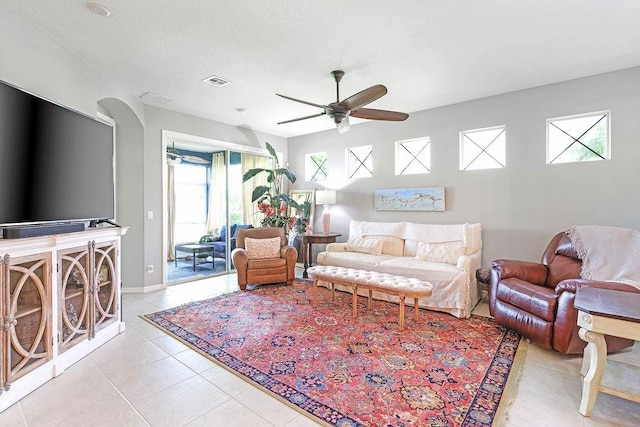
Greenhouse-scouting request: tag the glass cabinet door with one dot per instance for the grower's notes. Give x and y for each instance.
(26, 301)
(73, 297)
(104, 285)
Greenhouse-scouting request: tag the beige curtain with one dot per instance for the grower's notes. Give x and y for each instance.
(217, 193)
(171, 210)
(250, 210)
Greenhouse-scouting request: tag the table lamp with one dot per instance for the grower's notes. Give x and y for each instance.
(326, 198)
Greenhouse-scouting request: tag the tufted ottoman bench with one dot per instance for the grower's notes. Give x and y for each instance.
(403, 287)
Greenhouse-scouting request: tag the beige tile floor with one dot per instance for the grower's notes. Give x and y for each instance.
(144, 377)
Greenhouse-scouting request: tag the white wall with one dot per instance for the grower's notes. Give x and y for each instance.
(521, 206)
(32, 61)
(158, 119)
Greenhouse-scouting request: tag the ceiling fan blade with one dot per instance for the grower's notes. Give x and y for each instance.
(361, 99)
(301, 101)
(173, 153)
(195, 159)
(372, 114)
(303, 118)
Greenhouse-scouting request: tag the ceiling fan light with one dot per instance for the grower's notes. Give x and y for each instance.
(343, 126)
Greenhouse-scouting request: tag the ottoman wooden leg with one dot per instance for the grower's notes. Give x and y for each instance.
(315, 291)
(402, 312)
(416, 313)
(369, 303)
(355, 301)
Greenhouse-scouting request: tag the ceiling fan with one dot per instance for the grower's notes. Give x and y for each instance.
(175, 157)
(340, 111)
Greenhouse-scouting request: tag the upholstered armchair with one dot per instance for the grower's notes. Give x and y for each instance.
(260, 258)
(536, 300)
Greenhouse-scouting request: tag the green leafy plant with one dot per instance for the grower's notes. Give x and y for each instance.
(272, 201)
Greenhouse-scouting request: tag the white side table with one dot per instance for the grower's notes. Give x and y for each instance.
(606, 312)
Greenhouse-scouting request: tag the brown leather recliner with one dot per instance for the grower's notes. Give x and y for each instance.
(536, 300)
(266, 270)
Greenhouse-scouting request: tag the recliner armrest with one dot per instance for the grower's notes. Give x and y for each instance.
(524, 270)
(571, 285)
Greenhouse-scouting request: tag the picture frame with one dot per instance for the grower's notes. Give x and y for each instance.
(428, 199)
(300, 196)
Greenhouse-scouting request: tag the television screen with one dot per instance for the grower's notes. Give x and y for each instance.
(56, 165)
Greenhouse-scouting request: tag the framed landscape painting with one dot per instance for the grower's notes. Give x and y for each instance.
(429, 199)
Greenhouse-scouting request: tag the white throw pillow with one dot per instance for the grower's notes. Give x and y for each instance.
(262, 248)
(365, 246)
(445, 252)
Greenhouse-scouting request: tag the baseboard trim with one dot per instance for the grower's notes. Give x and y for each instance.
(141, 289)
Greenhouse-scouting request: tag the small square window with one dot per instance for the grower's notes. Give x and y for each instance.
(360, 162)
(315, 167)
(413, 156)
(579, 138)
(483, 148)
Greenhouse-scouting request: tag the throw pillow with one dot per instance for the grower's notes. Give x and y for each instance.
(445, 252)
(262, 248)
(365, 246)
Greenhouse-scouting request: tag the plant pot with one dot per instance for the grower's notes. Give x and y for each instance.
(295, 240)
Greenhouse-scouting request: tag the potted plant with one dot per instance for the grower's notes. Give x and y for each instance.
(272, 201)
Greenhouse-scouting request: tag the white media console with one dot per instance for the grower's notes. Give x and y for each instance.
(59, 300)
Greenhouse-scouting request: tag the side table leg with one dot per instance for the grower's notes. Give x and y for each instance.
(596, 352)
(305, 258)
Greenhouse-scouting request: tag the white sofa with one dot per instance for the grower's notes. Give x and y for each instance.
(447, 256)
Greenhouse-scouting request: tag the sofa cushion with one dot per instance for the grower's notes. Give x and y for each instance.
(365, 245)
(352, 259)
(447, 252)
(389, 232)
(414, 233)
(262, 248)
(239, 227)
(223, 233)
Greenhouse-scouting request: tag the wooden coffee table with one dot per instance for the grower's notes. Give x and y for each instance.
(606, 312)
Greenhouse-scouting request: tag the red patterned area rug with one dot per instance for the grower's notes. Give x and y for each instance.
(346, 371)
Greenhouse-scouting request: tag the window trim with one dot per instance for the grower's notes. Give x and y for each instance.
(607, 153)
(318, 168)
(349, 151)
(483, 150)
(399, 145)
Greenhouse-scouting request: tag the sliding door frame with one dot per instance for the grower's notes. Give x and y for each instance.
(169, 137)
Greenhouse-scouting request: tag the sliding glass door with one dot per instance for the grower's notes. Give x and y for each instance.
(207, 203)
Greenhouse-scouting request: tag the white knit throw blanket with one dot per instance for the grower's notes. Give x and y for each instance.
(608, 253)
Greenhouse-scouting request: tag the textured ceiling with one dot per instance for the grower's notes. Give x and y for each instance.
(428, 53)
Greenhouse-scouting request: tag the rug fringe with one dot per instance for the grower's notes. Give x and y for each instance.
(509, 393)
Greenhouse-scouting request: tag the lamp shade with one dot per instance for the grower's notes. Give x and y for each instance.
(326, 197)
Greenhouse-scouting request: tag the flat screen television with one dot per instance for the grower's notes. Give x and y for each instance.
(56, 164)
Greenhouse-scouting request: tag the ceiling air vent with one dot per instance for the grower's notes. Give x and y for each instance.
(216, 81)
